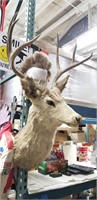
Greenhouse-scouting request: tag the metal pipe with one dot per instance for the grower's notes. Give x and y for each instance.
(89, 16)
(73, 6)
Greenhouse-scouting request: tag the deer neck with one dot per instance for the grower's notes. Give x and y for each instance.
(40, 122)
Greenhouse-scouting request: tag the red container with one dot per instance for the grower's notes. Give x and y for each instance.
(83, 153)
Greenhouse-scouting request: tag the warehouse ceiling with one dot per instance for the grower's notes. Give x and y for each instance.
(51, 17)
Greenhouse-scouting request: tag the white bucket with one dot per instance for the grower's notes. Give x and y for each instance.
(70, 152)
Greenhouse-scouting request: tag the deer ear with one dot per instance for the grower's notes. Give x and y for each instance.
(61, 84)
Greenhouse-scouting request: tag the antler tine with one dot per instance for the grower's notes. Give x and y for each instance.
(57, 61)
(10, 30)
(73, 65)
(74, 52)
(57, 55)
(12, 20)
(17, 51)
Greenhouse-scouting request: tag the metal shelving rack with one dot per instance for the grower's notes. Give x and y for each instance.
(21, 182)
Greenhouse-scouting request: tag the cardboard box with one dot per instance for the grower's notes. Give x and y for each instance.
(61, 136)
(78, 136)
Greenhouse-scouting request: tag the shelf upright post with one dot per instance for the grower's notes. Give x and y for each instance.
(21, 186)
(21, 174)
(30, 19)
(87, 133)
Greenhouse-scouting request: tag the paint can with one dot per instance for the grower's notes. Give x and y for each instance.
(83, 153)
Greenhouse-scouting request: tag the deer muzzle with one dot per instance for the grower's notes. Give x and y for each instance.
(76, 119)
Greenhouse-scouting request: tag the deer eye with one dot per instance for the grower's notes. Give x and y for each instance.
(51, 103)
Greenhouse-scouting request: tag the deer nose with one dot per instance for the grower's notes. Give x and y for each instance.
(78, 119)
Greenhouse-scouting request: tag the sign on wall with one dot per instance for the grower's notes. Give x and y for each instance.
(4, 65)
(2, 13)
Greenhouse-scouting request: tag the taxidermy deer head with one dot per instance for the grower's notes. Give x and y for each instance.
(47, 112)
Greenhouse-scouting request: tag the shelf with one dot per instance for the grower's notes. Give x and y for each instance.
(85, 112)
(7, 78)
(89, 121)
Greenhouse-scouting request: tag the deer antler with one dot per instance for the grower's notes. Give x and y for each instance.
(9, 36)
(74, 64)
(12, 56)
